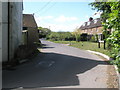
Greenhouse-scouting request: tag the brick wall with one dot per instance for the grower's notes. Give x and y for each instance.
(93, 31)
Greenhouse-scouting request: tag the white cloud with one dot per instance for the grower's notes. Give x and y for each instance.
(60, 23)
(87, 16)
(61, 27)
(44, 18)
(97, 14)
(62, 18)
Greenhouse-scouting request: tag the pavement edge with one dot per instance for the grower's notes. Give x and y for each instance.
(108, 58)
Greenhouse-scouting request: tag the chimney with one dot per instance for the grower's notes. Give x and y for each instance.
(90, 19)
(33, 14)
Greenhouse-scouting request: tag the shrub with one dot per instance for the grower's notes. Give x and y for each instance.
(83, 37)
(93, 39)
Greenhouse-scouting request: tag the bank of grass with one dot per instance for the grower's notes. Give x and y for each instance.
(86, 46)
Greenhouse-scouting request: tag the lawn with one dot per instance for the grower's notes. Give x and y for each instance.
(86, 46)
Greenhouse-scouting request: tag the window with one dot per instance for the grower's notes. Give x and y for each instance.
(88, 23)
(83, 24)
(96, 30)
(24, 28)
(95, 21)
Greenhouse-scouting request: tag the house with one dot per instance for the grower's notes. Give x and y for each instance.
(10, 29)
(30, 30)
(92, 27)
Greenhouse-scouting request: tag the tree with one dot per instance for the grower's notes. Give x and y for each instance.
(54, 36)
(111, 18)
(77, 34)
(62, 36)
(44, 32)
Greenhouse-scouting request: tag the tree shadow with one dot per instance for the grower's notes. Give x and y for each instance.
(44, 46)
(63, 72)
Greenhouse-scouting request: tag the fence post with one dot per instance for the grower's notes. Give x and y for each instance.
(104, 44)
(98, 44)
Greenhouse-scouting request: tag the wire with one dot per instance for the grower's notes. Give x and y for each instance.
(47, 9)
(44, 6)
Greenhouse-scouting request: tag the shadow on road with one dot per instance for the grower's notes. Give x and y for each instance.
(44, 46)
(63, 72)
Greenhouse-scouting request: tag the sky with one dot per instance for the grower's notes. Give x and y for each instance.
(60, 16)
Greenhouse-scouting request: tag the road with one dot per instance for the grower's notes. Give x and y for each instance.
(58, 66)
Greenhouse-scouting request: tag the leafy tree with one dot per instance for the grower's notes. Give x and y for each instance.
(44, 32)
(77, 34)
(111, 20)
(54, 36)
(62, 36)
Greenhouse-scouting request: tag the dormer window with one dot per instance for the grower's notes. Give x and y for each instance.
(88, 23)
(83, 24)
(95, 21)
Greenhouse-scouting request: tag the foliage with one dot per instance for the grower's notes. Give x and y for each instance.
(56, 36)
(86, 46)
(111, 19)
(96, 37)
(93, 39)
(83, 37)
(77, 34)
(44, 32)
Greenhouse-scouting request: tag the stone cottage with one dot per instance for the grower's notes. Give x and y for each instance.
(30, 30)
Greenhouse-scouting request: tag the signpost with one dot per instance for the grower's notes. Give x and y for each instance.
(101, 42)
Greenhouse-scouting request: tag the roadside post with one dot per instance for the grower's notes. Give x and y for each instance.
(104, 44)
(99, 42)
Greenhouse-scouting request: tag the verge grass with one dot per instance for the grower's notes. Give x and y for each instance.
(86, 46)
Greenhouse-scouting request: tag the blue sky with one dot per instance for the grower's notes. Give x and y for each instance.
(60, 16)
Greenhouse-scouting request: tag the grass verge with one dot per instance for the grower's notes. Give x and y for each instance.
(86, 46)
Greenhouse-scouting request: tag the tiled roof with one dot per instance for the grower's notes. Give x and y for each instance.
(91, 24)
(29, 20)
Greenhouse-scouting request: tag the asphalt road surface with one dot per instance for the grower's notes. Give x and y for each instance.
(58, 66)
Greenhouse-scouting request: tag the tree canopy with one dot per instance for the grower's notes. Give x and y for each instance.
(111, 20)
(44, 32)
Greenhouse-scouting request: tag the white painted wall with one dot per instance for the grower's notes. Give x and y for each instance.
(16, 27)
(0, 46)
(0, 32)
(4, 31)
(15, 34)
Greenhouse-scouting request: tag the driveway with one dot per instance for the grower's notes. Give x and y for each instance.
(58, 66)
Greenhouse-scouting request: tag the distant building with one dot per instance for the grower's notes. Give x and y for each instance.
(92, 27)
(30, 30)
(10, 29)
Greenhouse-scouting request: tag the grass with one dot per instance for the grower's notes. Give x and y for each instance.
(86, 46)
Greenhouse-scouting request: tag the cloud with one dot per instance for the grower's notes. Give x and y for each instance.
(60, 23)
(62, 19)
(61, 27)
(41, 18)
(87, 16)
(97, 14)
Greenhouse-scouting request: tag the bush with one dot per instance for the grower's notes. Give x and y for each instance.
(61, 36)
(83, 37)
(92, 39)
